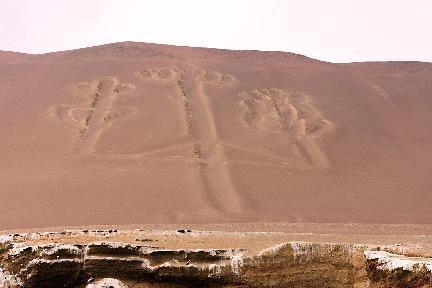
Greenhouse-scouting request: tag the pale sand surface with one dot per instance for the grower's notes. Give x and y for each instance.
(254, 237)
(142, 133)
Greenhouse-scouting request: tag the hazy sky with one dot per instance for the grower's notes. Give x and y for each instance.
(332, 30)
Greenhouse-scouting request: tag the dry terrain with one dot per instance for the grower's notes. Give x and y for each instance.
(142, 133)
(234, 255)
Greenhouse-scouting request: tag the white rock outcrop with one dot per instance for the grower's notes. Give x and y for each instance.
(107, 283)
(8, 281)
(392, 261)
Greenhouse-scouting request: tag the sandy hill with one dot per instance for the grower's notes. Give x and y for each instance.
(144, 133)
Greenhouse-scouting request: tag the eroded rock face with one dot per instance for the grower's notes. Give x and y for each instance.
(292, 264)
(386, 269)
(107, 283)
(7, 280)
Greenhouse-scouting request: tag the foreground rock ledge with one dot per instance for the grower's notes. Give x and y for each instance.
(138, 258)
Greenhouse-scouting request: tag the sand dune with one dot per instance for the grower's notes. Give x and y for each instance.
(143, 133)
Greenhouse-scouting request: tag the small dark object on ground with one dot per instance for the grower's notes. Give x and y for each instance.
(184, 231)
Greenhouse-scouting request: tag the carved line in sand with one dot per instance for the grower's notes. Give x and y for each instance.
(276, 111)
(267, 110)
(217, 78)
(95, 113)
(162, 74)
(201, 130)
(216, 173)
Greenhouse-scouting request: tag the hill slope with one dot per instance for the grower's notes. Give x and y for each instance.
(144, 133)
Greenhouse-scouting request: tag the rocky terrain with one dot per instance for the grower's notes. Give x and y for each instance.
(153, 134)
(187, 258)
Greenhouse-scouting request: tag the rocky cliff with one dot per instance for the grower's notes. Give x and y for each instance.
(70, 259)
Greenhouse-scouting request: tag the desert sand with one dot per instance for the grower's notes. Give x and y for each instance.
(131, 133)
